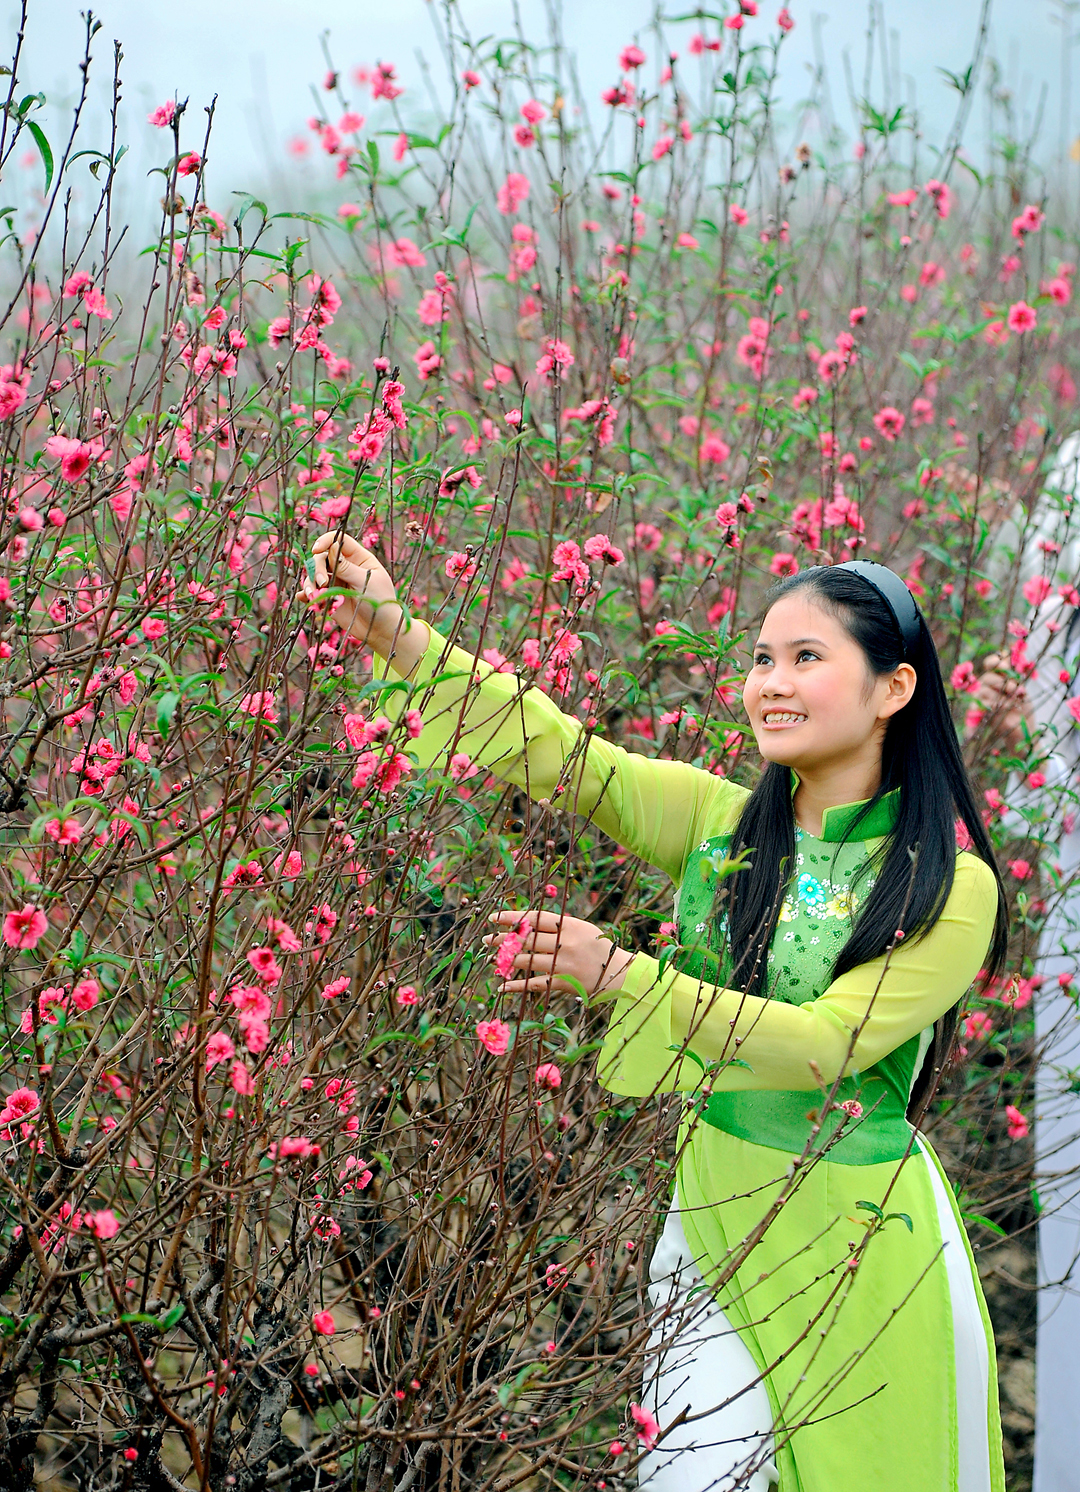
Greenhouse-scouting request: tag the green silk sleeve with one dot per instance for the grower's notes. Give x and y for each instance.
(859, 1019)
(654, 808)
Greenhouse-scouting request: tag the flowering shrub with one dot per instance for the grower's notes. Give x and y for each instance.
(293, 1194)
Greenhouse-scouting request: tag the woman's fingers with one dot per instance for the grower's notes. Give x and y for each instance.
(996, 693)
(543, 940)
(538, 919)
(541, 982)
(534, 958)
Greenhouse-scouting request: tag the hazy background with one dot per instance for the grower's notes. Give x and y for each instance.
(262, 57)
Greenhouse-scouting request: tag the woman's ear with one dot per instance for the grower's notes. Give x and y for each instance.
(901, 688)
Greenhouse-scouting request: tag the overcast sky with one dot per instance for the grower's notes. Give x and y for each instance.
(261, 57)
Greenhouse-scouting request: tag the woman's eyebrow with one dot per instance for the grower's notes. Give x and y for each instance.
(796, 643)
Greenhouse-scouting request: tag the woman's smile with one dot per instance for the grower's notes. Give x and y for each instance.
(781, 719)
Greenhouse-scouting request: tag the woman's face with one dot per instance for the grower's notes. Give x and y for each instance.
(810, 696)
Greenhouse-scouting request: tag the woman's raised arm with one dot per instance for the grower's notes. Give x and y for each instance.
(656, 808)
(370, 611)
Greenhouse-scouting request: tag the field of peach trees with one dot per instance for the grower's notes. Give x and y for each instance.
(587, 376)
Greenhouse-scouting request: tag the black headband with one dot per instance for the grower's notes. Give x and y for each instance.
(894, 593)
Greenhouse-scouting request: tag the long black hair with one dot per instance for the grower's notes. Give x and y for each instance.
(921, 756)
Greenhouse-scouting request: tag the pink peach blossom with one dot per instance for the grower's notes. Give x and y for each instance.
(512, 193)
(19, 1104)
(64, 832)
(494, 1036)
(1018, 1126)
(24, 929)
(241, 1080)
(889, 422)
(647, 1426)
(219, 1048)
(1022, 317)
(104, 1224)
(85, 995)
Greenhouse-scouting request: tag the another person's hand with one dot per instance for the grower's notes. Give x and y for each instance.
(556, 949)
(1006, 700)
(372, 612)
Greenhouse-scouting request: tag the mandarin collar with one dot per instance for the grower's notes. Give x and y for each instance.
(837, 820)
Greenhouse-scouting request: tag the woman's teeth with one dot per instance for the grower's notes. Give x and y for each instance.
(782, 717)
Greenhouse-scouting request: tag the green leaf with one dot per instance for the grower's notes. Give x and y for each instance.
(960, 81)
(247, 202)
(388, 1036)
(162, 663)
(111, 958)
(135, 822)
(99, 157)
(82, 802)
(174, 1316)
(871, 1207)
(575, 1053)
(688, 1053)
(960, 161)
(318, 218)
(37, 828)
(76, 950)
(166, 709)
(428, 1032)
(903, 1218)
(46, 151)
(984, 1222)
(381, 686)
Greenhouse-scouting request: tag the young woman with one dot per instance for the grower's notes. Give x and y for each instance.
(845, 1344)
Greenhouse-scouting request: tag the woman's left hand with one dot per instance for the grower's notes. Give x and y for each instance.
(557, 949)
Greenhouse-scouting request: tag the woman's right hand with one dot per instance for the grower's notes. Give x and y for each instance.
(372, 612)
(1006, 700)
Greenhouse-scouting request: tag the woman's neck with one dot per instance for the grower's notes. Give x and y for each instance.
(830, 787)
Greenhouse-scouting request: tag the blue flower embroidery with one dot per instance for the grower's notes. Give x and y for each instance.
(813, 894)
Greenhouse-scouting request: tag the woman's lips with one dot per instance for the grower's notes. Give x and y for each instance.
(767, 724)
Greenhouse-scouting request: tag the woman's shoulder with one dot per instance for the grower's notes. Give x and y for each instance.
(974, 883)
(726, 802)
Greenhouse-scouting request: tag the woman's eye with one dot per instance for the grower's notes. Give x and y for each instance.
(806, 653)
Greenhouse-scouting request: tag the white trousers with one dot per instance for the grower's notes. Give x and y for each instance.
(697, 1362)
(1057, 1180)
